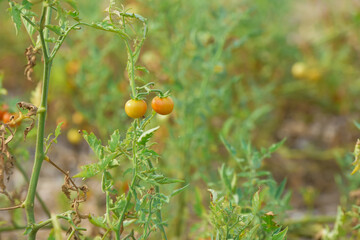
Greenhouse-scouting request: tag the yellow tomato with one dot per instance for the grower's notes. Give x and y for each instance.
(73, 136)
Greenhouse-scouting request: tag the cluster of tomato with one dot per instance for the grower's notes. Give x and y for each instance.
(137, 108)
(5, 116)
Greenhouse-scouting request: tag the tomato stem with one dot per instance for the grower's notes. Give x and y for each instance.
(39, 152)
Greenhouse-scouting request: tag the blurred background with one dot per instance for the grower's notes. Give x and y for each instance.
(257, 71)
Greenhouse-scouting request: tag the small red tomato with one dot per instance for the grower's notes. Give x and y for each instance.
(135, 108)
(162, 106)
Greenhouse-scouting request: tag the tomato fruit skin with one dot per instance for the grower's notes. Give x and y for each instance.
(73, 136)
(135, 108)
(163, 106)
(3, 109)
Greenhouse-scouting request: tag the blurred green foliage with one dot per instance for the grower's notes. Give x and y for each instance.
(252, 72)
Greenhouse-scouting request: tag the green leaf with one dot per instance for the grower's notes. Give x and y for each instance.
(114, 141)
(106, 181)
(106, 26)
(226, 175)
(357, 124)
(98, 221)
(357, 227)
(280, 235)
(230, 149)
(51, 235)
(179, 190)
(255, 203)
(16, 16)
(88, 171)
(280, 189)
(145, 136)
(29, 28)
(143, 69)
(95, 144)
(26, 4)
(55, 29)
(74, 15)
(268, 223)
(198, 206)
(58, 129)
(27, 230)
(275, 146)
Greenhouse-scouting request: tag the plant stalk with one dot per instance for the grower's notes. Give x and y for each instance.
(39, 152)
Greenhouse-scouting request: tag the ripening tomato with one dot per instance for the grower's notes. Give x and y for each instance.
(7, 116)
(73, 136)
(3, 109)
(162, 106)
(135, 108)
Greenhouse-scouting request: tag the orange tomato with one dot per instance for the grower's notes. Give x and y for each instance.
(162, 106)
(7, 116)
(3, 109)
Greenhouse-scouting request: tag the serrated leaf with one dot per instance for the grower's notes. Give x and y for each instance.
(58, 129)
(268, 222)
(145, 136)
(114, 141)
(88, 171)
(16, 16)
(95, 144)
